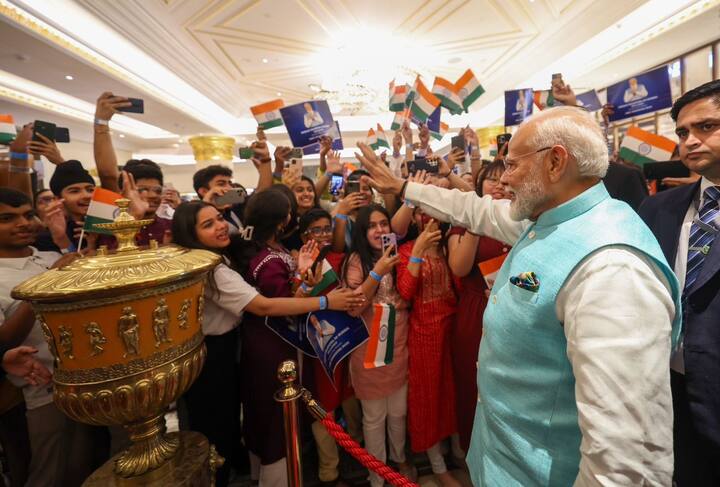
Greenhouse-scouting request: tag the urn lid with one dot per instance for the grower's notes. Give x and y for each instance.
(113, 273)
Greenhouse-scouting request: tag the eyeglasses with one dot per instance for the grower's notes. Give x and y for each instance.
(317, 231)
(511, 164)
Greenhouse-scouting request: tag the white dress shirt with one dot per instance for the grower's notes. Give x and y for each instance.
(677, 363)
(14, 271)
(617, 312)
(225, 300)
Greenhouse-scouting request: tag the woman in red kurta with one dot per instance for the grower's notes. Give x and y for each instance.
(424, 279)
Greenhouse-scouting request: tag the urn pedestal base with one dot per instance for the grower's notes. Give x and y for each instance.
(193, 465)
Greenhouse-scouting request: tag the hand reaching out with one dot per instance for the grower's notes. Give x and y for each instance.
(46, 147)
(107, 105)
(138, 207)
(333, 163)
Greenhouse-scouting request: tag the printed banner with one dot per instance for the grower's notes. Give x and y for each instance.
(518, 106)
(589, 101)
(307, 122)
(644, 93)
(292, 330)
(333, 335)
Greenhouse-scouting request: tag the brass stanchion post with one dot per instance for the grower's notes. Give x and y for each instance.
(288, 395)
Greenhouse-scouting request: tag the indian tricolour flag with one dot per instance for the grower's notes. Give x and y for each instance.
(489, 268)
(382, 337)
(443, 130)
(102, 209)
(382, 139)
(543, 99)
(398, 95)
(469, 88)
(399, 119)
(329, 277)
(372, 139)
(640, 147)
(7, 129)
(424, 103)
(268, 114)
(449, 98)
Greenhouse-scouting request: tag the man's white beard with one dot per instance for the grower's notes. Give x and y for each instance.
(528, 196)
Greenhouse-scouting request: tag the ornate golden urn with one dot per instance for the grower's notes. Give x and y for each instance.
(125, 331)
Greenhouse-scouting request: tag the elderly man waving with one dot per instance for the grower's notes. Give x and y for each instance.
(573, 374)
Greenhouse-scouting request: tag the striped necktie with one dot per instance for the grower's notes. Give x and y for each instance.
(702, 234)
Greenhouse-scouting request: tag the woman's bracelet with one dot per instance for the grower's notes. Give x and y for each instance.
(342, 217)
(416, 260)
(377, 277)
(323, 302)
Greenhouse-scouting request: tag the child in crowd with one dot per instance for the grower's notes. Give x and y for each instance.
(382, 390)
(316, 225)
(213, 407)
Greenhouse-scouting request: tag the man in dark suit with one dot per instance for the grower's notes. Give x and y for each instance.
(686, 222)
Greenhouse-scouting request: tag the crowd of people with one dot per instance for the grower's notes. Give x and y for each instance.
(556, 371)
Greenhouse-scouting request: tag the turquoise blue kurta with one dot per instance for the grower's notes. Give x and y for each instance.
(526, 429)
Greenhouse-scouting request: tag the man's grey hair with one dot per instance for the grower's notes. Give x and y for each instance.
(577, 131)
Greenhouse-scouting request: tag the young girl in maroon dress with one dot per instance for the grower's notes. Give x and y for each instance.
(424, 279)
(465, 251)
(267, 266)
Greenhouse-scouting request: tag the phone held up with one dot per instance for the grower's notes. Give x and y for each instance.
(352, 187)
(234, 196)
(336, 184)
(46, 129)
(389, 240)
(246, 153)
(137, 106)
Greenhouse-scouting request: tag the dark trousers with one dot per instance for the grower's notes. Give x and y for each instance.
(213, 402)
(695, 463)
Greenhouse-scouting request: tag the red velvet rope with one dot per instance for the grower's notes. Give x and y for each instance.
(362, 456)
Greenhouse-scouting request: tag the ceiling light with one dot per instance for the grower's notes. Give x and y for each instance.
(265, 60)
(69, 77)
(278, 93)
(176, 145)
(122, 136)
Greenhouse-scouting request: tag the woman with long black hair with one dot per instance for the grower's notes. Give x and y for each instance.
(212, 401)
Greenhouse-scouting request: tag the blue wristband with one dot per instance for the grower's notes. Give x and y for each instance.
(416, 260)
(305, 288)
(323, 302)
(375, 276)
(409, 204)
(342, 217)
(19, 155)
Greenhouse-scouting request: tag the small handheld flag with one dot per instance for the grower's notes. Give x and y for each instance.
(639, 147)
(372, 139)
(449, 97)
(543, 99)
(381, 343)
(489, 268)
(399, 119)
(424, 103)
(398, 95)
(382, 139)
(268, 114)
(102, 209)
(468, 88)
(329, 277)
(7, 129)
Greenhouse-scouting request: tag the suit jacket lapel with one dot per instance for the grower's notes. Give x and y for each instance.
(671, 217)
